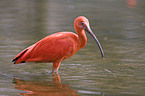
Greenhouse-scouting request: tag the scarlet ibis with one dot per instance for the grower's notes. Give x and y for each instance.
(58, 46)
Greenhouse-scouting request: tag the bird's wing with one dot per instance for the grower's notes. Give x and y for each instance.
(53, 48)
(19, 58)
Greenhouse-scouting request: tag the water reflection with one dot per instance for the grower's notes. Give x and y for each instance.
(44, 88)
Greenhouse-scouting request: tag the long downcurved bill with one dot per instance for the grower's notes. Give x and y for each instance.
(88, 29)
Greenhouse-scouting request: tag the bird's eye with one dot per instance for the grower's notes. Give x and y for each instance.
(83, 23)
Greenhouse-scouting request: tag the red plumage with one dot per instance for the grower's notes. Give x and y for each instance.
(57, 47)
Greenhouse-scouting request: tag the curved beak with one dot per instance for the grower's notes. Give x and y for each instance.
(88, 29)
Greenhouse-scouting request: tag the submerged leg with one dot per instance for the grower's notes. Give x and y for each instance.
(56, 65)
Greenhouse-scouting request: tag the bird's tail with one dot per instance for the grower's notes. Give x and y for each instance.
(18, 58)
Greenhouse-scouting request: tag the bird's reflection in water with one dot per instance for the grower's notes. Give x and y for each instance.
(44, 88)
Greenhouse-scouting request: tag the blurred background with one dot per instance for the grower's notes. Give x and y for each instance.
(119, 26)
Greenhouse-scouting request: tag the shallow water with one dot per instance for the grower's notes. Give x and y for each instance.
(119, 25)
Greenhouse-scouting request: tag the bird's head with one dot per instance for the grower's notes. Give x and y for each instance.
(82, 23)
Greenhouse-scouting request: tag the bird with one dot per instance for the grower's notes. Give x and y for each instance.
(58, 46)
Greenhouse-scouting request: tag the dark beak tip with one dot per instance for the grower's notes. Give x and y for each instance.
(88, 29)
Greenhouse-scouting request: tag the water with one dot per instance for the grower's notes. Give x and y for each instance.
(119, 25)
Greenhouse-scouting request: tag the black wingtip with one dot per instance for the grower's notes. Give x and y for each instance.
(23, 61)
(14, 60)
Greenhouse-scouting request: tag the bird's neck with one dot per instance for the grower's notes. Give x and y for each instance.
(82, 38)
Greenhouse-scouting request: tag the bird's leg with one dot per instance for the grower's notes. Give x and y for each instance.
(56, 78)
(56, 65)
